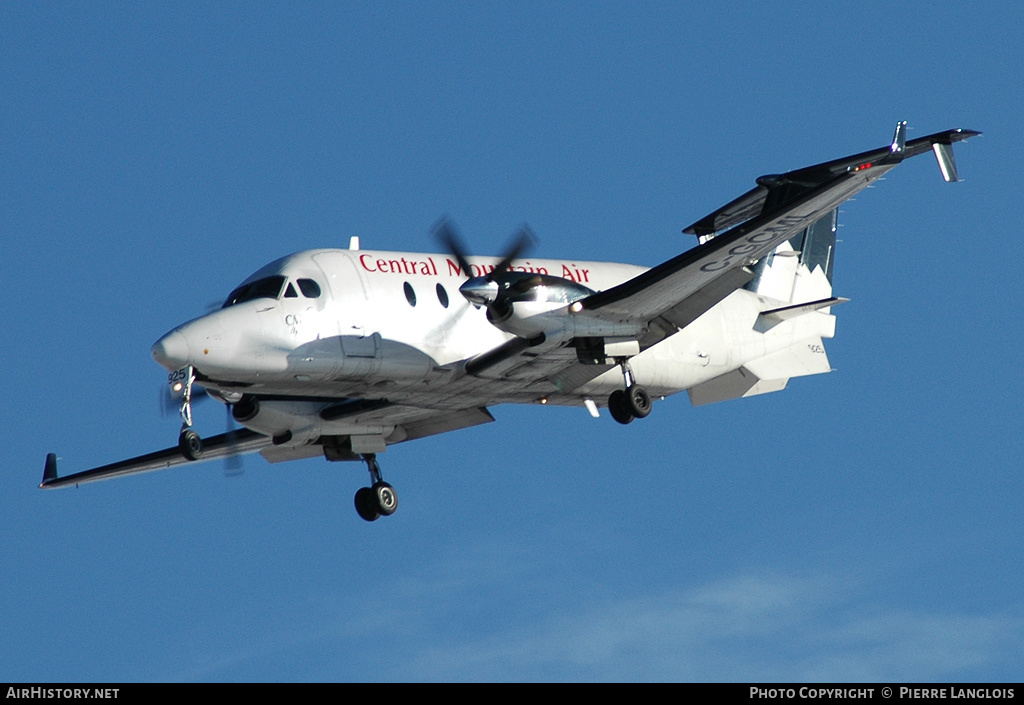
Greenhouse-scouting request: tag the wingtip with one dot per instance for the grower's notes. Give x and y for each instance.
(899, 139)
(961, 133)
(49, 470)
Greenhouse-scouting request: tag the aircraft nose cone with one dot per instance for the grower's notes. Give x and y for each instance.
(171, 351)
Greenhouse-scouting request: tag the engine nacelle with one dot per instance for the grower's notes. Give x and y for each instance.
(532, 319)
(531, 305)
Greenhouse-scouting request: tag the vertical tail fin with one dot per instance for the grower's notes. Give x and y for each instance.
(800, 269)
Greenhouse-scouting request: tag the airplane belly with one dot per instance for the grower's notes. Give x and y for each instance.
(302, 423)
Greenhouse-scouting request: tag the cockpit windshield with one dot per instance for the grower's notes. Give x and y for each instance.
(266, 288)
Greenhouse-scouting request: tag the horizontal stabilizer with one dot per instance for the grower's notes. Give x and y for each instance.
(767, 320)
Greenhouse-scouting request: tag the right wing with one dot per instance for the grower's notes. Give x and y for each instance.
(673, 294)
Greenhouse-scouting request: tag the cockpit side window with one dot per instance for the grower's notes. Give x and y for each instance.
(289, 293)
(310, 289)
(266, 288)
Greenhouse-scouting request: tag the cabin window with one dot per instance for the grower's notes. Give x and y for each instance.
(442, 296)
(309, 288)
(410, 295)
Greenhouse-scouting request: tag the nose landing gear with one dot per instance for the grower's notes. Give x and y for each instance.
(380, 499)
(189, 442)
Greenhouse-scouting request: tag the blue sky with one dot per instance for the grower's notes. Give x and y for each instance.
(860, 525)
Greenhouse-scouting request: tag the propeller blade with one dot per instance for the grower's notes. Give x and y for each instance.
(523, 240)
(448, 235)
(165, 404)
(484, 290)
(233, 462)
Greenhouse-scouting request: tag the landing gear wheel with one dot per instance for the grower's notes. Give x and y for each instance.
(386, 498)
(366, 504)
(639, 401)
(618, 407)
(380, 498)
(190, 444)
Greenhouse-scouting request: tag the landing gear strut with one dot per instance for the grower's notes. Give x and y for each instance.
(631, 403)
(379, 499)
(189, 442)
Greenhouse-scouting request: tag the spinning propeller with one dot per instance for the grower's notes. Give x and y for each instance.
(488, 289)
(542, 296)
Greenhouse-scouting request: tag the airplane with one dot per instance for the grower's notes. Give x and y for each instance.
(341, 353)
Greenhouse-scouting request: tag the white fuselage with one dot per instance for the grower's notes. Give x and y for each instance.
(393, 325)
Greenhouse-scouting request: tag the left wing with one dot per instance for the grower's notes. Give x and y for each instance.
(231, 443)
(677, 292)
(410, 423)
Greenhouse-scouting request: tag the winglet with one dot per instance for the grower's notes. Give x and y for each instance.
(899, 140)
(944, 156)
(50, 469)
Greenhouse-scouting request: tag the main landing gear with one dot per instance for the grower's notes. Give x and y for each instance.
(630, 403)
(379, 499)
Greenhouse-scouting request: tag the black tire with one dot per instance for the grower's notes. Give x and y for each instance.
(386, 498)
(618, 407)
(366, 504)
(639, 401)
(190, 444)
